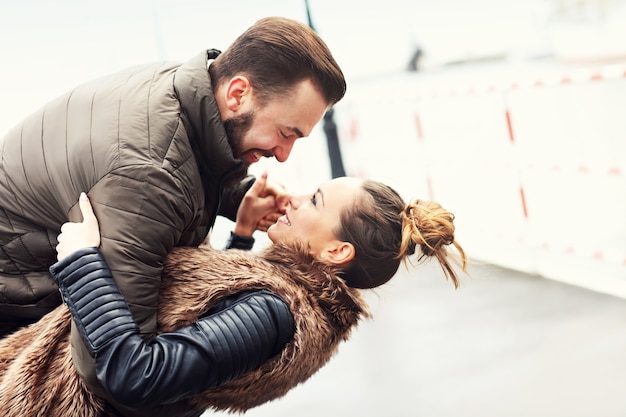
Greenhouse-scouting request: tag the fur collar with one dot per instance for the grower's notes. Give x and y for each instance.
(37, 377)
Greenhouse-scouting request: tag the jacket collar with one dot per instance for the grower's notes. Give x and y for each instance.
(202, 119)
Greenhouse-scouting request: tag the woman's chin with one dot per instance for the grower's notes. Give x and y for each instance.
(271, 233)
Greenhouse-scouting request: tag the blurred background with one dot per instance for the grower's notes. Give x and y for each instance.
(508, 112)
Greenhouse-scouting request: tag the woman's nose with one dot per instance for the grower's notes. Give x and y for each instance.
(295, 201)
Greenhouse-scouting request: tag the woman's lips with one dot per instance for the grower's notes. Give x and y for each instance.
(284, 219)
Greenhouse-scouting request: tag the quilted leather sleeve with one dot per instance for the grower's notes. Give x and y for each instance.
(90, 293)
(236, 336)
(239, 242)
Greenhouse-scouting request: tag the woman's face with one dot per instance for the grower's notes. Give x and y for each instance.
(313, 218)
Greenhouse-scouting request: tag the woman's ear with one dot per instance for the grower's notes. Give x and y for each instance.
(236, 92)
(339, 253)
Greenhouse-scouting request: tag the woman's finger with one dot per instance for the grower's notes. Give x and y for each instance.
(258, 187)
(86, 209)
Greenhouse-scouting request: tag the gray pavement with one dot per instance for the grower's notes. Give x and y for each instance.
(505, 344)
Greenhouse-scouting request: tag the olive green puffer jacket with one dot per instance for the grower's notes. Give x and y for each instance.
(149, 147)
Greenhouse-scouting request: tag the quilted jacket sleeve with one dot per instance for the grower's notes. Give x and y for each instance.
(236, 336)
(232, 196)
(142, 211)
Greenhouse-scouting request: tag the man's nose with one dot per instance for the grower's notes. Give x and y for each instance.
(282, 152)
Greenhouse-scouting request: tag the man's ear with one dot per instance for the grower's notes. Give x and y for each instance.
(237, 92)
(338, 253)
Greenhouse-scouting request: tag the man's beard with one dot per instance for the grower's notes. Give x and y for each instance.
(236, 128)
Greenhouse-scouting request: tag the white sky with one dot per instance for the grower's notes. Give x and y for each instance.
(49, 47)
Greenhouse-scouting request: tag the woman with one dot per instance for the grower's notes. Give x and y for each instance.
(237, 329)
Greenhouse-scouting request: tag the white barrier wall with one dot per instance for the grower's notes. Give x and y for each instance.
(532, 161)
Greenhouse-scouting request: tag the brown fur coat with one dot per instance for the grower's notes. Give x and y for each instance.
(36, 373)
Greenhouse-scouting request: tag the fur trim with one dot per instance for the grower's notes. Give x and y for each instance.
(325, 310)
(37, 377)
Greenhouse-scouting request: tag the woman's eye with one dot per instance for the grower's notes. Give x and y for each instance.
(313, 200)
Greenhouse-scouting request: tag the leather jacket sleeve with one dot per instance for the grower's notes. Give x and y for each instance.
(239, 242)
(236, 336)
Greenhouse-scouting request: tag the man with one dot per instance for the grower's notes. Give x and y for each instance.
(161, 149)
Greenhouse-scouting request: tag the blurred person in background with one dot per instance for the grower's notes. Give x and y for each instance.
(162, 150)
(248, 326)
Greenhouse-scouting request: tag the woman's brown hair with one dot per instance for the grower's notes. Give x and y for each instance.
(277, 53)
(386, 231)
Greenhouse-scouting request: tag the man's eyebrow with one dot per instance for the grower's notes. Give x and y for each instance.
(296, 131)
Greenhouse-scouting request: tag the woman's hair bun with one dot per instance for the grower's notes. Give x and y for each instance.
(430, 227)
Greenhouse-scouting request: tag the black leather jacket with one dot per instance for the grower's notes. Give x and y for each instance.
(237, 335)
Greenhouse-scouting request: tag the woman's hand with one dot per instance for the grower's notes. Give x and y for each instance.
(259, 206)
(281, 201)
(75, 236)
